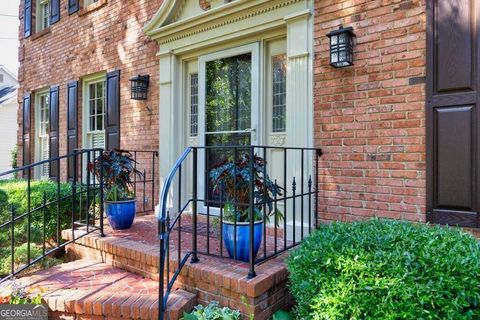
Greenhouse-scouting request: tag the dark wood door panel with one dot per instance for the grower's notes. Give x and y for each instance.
(453, 157)
(455, 218)
(451, 108)
(455, 45)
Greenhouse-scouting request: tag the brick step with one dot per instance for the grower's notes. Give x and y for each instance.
(89, 289)
(136, 250)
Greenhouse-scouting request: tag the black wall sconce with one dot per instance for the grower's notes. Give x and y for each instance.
(139, 87)
(341, 47)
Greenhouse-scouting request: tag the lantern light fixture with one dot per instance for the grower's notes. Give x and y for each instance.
(341, 47)
(139, 87)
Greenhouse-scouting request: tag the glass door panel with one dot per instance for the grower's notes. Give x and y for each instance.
(228, 108)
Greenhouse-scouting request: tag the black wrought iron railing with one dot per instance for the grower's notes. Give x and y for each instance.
(145, 186)
(33, 227)
(193, 204)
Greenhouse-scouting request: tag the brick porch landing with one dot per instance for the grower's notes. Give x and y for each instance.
(89, 289)
(137, 250)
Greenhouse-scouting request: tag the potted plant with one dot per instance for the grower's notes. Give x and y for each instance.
(232, 179)
(118, 168)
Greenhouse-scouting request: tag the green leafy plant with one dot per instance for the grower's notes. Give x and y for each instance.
(212, 312)
(118, 169)
(233, 179)
(13, 292)
(382, 269)
(13, 159)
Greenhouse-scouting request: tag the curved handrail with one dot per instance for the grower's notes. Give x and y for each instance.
(168, 183)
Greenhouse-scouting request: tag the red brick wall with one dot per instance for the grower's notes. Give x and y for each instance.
(107, 38)
(369, 118)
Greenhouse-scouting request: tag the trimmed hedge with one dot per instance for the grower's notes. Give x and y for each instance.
(383, 269)
(13, 193)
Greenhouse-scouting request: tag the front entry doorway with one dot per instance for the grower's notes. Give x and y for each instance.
(228, 112)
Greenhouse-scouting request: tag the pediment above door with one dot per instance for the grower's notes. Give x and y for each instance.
(186, 23)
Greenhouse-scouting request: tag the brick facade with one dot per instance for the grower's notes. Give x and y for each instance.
(103, 37)
(370, 118)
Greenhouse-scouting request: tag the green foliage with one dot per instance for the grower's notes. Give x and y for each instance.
(20, 256)
(118, 169)
(212, 312)
(13, 193)
(13, 159)
(233, 178)
(282, 315)
(381, 269)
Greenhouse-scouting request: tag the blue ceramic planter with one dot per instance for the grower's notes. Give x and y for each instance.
(243, 239)
(120, 214)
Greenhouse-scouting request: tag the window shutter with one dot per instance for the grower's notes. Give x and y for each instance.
(26, 130)
(27, 19)
(73, 6)
(112, 126)
(72, 122)
(53, 134)
(54, 11)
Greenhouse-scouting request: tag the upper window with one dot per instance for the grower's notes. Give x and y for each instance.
(89, 2)
(95, 113)
(43, 14)
(42, 123)
(279, 92)
(1, 77)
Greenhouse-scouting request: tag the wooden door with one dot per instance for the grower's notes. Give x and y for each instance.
(452, 112)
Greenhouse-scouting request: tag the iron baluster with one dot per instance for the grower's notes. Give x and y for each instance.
(302, 192)
(309, 204)
(285, 199)
(294, 222)
(194, 209)
(29, 213)
(102, 196)
(251, 272)
(44, 213)
(12, 244)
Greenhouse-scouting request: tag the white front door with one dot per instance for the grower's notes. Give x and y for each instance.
(228, 110)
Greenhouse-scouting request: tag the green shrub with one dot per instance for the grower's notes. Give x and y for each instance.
(381, 269)
(212, 312)
(13, 192)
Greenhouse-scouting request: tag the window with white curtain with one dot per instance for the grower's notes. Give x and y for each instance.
(94, 122)
(43, 14)
(42, 142)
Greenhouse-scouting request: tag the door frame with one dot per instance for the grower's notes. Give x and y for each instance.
(256, 114)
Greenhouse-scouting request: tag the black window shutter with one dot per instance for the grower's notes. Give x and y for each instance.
(26, 130)
(73, 6)
(27, 19)
(112, 126)
(54, 11)
(53, 142)
(72, 123)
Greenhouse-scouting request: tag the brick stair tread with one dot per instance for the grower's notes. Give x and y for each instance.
(94, 289)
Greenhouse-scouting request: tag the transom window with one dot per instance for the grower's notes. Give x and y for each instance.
(43, 14)
(279, 92)
(42, 123)
(95, 114)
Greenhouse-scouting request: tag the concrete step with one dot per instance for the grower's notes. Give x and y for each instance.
(89, 289)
